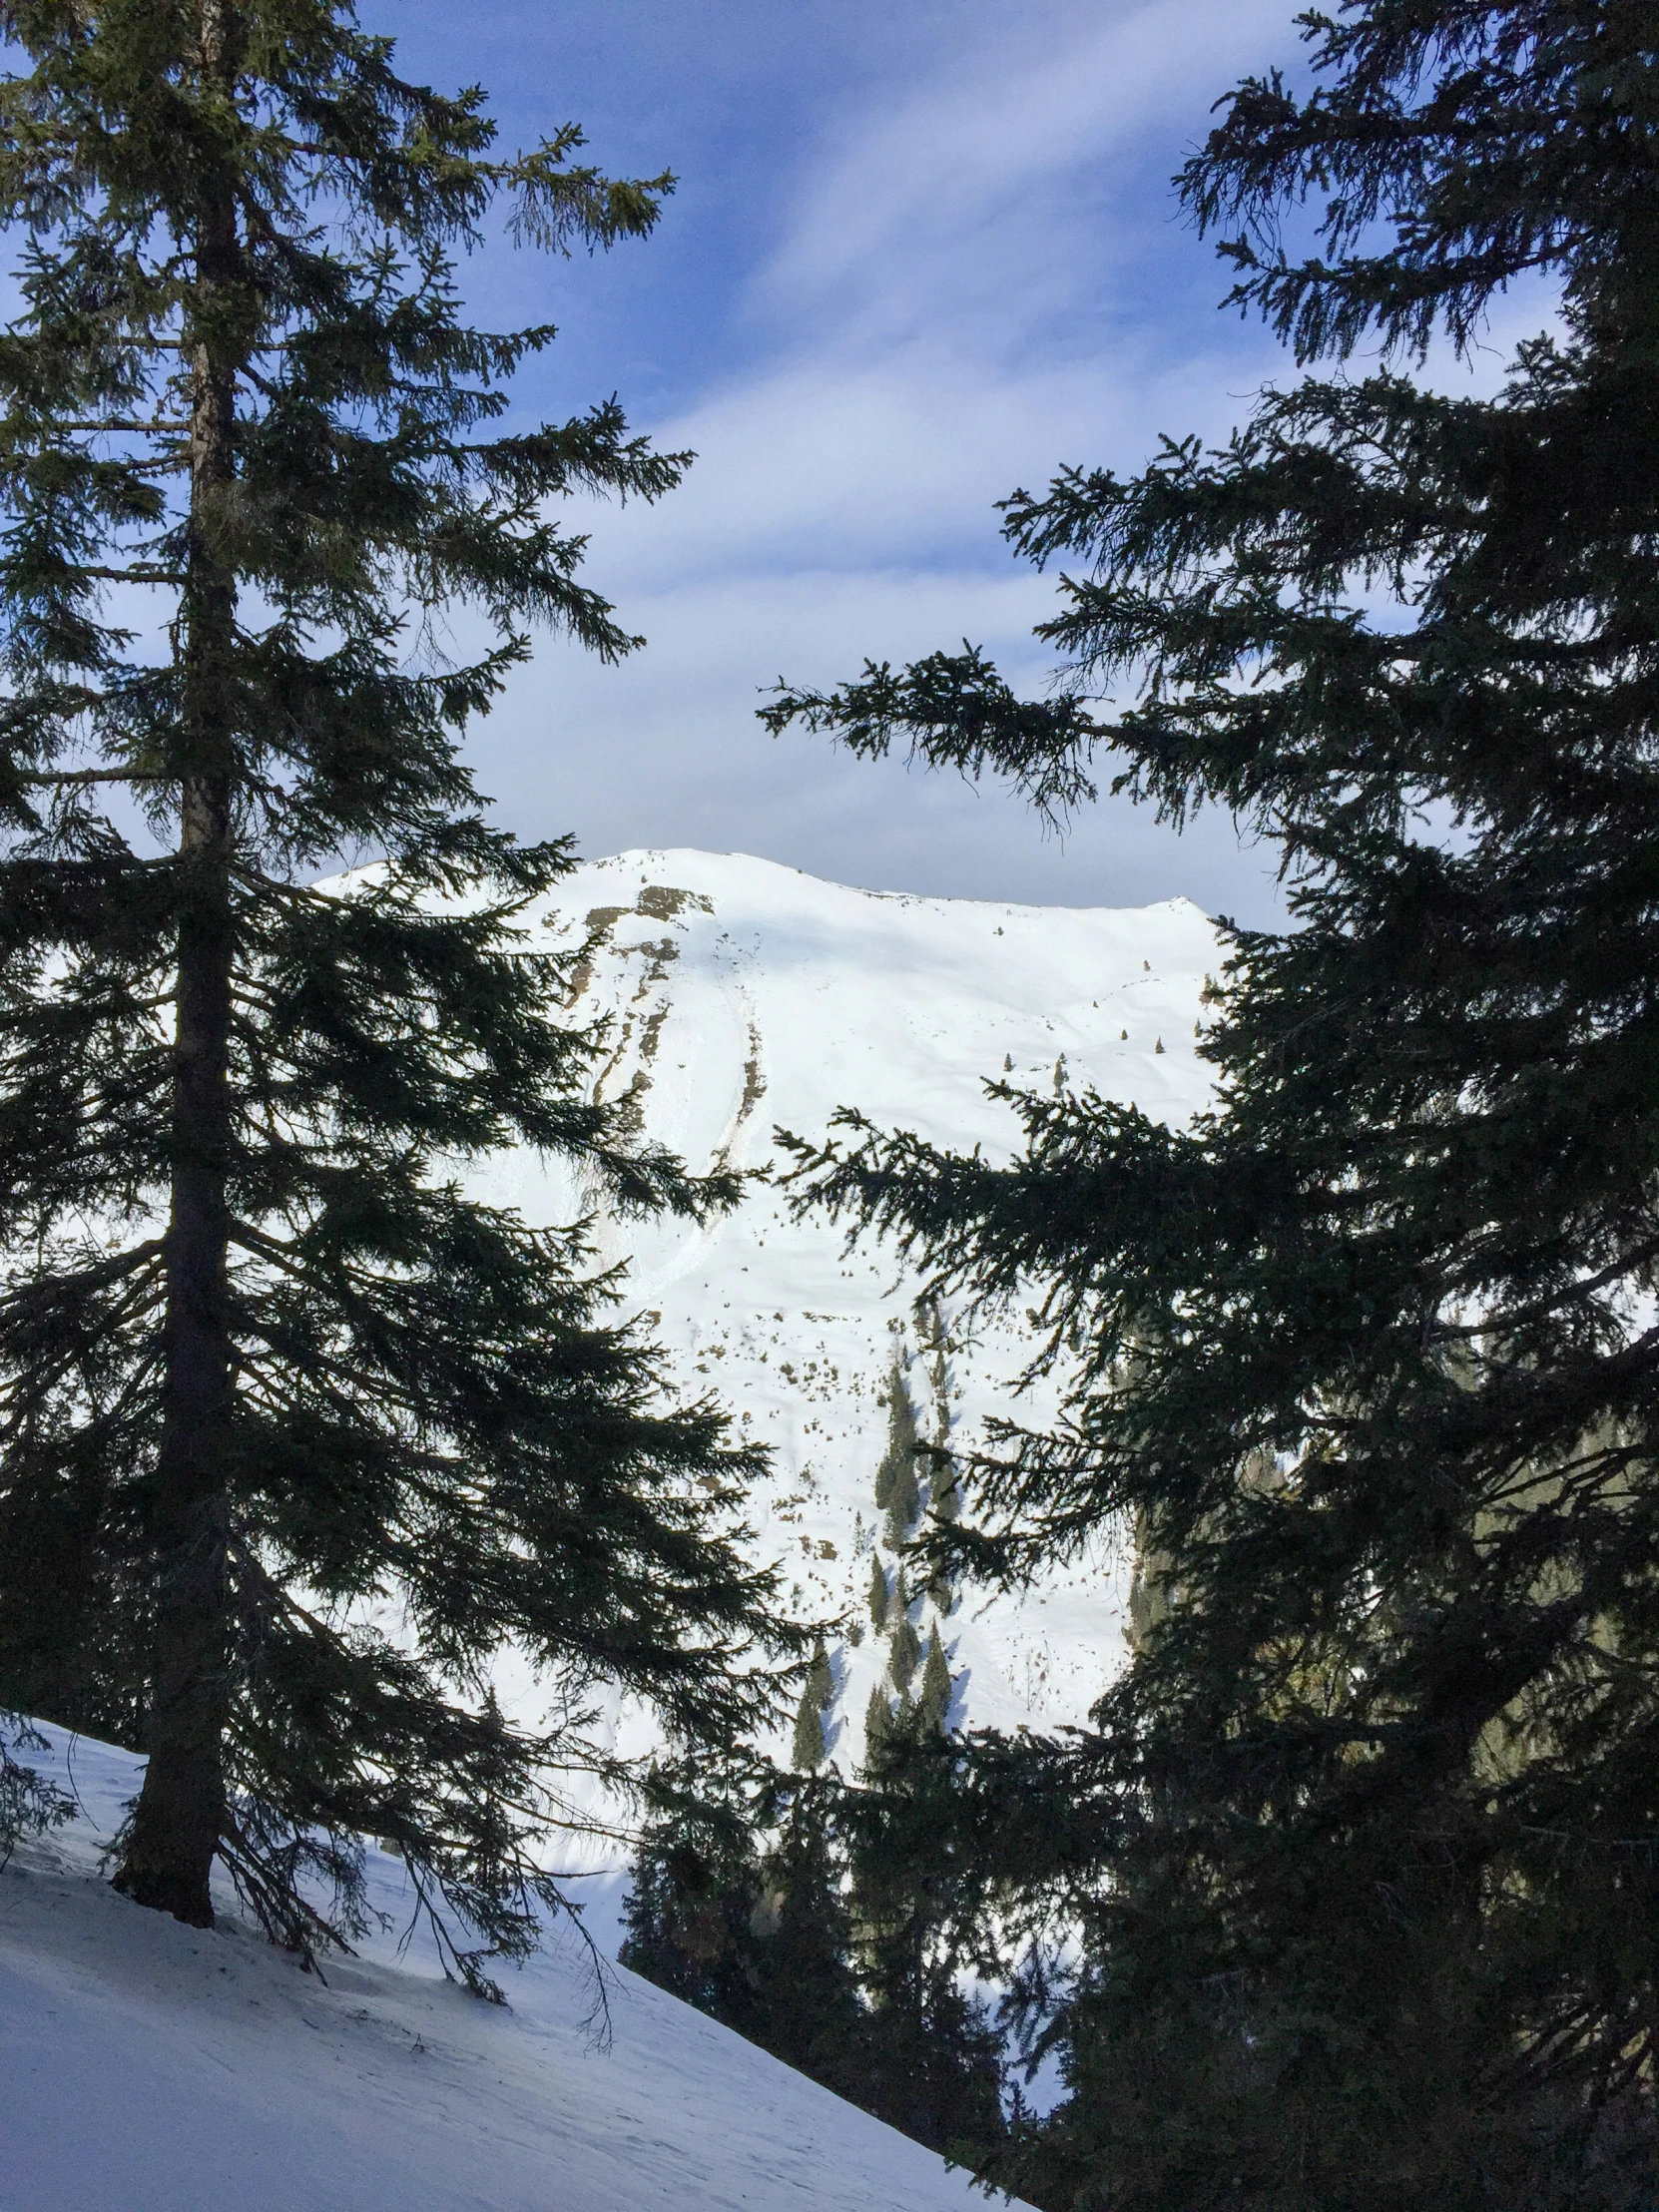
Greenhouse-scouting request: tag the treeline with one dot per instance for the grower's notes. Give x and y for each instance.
(837, 1927)
(835, 1921)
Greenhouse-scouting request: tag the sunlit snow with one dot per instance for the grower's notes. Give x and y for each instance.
(742, 997)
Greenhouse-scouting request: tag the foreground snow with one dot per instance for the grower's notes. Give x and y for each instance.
(150, 2067)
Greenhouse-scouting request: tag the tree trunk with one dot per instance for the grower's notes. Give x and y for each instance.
(181, 1811)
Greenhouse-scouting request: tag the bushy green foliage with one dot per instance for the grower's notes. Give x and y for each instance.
(1364, 1841)
(268, 1373)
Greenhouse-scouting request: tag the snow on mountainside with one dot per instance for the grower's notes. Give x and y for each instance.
(150, 2067)
(742, 997)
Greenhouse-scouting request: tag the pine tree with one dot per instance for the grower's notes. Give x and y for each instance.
(816, 1697)
(1363, 1846)
(695, 1903)
(904, 1651)
(920, 1906)
(740, 1909)
(807, 1746)
(878, 1726)
(933, 1705)
(30, 1804)
(877, 1593)
(799, 1915)
(897, 1492)
(268, 1373)
(809, 1980)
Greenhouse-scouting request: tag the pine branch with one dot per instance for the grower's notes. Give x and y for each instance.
(99, 776)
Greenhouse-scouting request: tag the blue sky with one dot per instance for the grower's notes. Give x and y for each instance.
(920, 253)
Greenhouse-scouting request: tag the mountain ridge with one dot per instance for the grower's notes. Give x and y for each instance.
(738, 995)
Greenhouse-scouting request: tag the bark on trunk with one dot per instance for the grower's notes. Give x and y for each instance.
(180, 1816)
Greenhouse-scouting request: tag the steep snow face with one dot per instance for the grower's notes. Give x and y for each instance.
(742, 997)
(151, 2067)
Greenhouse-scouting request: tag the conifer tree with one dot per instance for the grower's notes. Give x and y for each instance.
(30, 1804)
(268, 1373)
(696, 1904)
(933, 1704)
(807, 1743)
(1365, 1841)
(918, 1903)
(897, 1491)
(877, 1725)
(816, 1697)
(738, 1906)
(878, 1595)
(903, 1650)
(830, 1925)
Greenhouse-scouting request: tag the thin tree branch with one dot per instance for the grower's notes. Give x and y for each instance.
(102, 775)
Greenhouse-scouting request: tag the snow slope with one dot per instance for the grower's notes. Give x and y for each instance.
(743, 995)
(151, 2067)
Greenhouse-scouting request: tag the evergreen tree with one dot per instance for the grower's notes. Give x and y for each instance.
(794, 1914)
(904, 1651)
(816, 1697)
(29, 1803)
(695, 1906)
(877, 1725)
(754, 1932)
(1365, 1842)
(897, 1491)
(265, 1369)
(806, 1744)
(877, 1593)
(919, 1904)
(933, 1705)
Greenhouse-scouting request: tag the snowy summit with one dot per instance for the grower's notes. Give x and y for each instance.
(741, 997)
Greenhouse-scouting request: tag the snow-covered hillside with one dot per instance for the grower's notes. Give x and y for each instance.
(742, 996)
(150, 2067)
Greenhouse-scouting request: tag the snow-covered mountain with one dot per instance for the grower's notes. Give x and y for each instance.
(742, 997)
(151, 2067)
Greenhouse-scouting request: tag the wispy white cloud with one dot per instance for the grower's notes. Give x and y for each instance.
(945, 314)
(976, 190)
